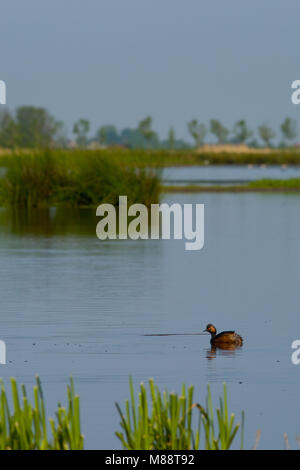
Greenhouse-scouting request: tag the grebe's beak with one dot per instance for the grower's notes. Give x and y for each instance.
(205, 330)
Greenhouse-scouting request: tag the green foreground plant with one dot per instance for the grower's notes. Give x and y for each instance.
(166, 421)
(265, 184)
(52, 177)
(26, 427)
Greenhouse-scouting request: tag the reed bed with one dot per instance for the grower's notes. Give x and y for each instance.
(266, 184)
(87, 178)
(165, 421)
(26, 426)
(77, 179)
(208, 154)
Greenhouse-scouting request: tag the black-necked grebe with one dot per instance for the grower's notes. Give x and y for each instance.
(223, 339)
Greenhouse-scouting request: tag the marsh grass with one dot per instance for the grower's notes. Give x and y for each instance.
(25, 426)
(266, 184)
(169, 421)
(209, 154)
(87, 178)
(283, 184)
(77, 179)
(213, 155)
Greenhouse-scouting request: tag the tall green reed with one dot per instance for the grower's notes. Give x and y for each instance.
(165, 421)
(25, 426)
(56, 177)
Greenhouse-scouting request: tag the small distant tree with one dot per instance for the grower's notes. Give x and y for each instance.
(132, 138)
(219, 131)
(29, 127)
(144, 128)
(81, 129)
(289, 129)
(171, 138)
(266, 134)
(9, 133)
(101, 135)
(241, 132)
(197, 131)
(107, 135)
(61, 135)
(35, 127)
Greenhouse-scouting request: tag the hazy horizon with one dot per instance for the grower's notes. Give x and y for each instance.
(115, 62)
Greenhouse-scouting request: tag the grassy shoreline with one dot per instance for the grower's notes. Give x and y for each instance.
(140, 158)
(53, 178)
(263, 185)
(47, 178)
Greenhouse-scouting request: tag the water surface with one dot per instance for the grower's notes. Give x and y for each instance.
(71, 304)
(224, 174)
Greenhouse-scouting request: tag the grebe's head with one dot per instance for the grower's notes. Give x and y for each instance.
(211, 329)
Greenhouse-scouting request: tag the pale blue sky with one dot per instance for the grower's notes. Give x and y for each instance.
(116, 61)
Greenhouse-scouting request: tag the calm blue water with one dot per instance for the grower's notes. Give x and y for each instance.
(86, 303)
(227, 174)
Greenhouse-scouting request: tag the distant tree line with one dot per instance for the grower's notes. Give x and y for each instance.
(33, 127)
(30, 127)
(242, 135)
